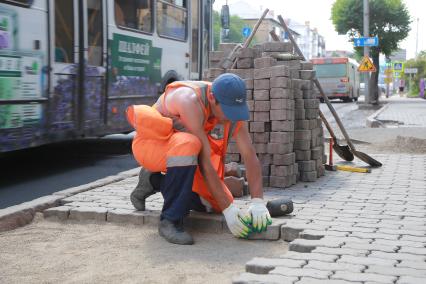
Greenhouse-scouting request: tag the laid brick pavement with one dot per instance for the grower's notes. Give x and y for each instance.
(345, 228)
(404, 112)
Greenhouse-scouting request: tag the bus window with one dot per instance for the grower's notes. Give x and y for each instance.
(64, 31)
(95, 32)
(330, 70)
(25, 3)
(134, 14)
(171, 19)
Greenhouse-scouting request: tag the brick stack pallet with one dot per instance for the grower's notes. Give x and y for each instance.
(284, 124)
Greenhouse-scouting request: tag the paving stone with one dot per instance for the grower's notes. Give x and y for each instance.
(125, 216)
(411, 280)
(341, 251)
(60, 213)
(261, 265)
(366, 260)
(250, 278)
(88, 213)
(300, 272)
(412, 264)
(350, 276)
(398, 256)
(320, 265)
(316, 235)
(399, 243)
(310, 256)
(204, 222)
(272, 233)
(412, 250)
(309, 280)
(301, 245)
(396, 271)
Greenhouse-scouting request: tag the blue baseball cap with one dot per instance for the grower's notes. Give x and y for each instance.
(230, 92)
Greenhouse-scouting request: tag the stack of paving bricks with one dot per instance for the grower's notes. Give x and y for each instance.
(308, 134)
(271, 93)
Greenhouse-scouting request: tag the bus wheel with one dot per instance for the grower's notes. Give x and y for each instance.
(321, 100)
(355, 99)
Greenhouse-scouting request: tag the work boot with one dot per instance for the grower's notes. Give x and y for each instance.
(174, 233)
(143, 190)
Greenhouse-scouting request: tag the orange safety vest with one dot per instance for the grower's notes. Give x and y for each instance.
(144, 118)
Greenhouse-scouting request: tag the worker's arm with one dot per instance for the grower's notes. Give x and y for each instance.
(259, 214)
(192, 116)
(251, 162)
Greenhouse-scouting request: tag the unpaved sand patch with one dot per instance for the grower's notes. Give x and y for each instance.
(50, 252)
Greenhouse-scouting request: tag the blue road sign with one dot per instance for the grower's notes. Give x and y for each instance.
(246, 31)
(366, 41)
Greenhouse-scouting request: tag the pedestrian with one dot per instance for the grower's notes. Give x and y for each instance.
(186, 164)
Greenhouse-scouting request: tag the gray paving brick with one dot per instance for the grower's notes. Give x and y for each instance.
(261, 265)
(341, 251)
(250, 278)
(60, 213)
(398, 256)
(366, 260)
(272, 233)
(309, 280)
(412, 264)
(350, 276)
(316, 234)
(88, 213)
(374, 236)
(302, 245)
(396, 271)
(412, 250)
(399, 243)
(320, 265)
(300, 272)
(310, 256)
(411, 280)
(413, 238)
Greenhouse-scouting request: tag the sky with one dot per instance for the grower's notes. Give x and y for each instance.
(318, 13)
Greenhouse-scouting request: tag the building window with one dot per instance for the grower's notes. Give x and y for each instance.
(134, 14)
(171, 19)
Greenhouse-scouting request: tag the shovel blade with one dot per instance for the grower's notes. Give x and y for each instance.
(369, 160)
(344, 152)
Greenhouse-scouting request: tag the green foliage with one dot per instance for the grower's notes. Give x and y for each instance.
(420, 63)
(389, 21)
(235, 32)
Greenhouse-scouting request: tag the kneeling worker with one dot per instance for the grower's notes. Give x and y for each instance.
(174, 136)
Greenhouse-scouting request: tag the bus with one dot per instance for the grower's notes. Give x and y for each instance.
(339, 78)
(70, 68)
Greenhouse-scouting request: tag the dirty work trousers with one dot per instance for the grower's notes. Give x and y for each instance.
(178, 157)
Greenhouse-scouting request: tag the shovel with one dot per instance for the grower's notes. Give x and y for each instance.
(343, 151)
(360, 155)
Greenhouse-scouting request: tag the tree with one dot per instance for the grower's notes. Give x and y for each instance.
(420, 63)
(235, 29)
(389, 21)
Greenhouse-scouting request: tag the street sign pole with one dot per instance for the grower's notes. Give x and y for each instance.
(366, 49)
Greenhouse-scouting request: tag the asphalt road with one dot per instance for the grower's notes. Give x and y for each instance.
(32, 173)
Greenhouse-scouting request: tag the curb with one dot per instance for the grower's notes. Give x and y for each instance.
(372, 122)
(22, 214)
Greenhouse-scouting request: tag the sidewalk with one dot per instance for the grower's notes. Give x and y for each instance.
(402, 112)
(346, 228)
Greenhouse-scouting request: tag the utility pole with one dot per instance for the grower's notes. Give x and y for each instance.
(366, 23)
(417, 36)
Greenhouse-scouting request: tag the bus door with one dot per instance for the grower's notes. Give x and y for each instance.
(195, 39)
(78, 66)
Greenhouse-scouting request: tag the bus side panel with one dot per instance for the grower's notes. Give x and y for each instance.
(138, 66)
(23, 79)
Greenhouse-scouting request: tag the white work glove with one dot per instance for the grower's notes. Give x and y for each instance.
(235, 222)
(260, 217)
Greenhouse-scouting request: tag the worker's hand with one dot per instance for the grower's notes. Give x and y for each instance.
(236, 224)
(260, 215)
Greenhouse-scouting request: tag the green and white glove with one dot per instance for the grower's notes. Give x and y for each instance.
(236, 225)
(261, 218)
